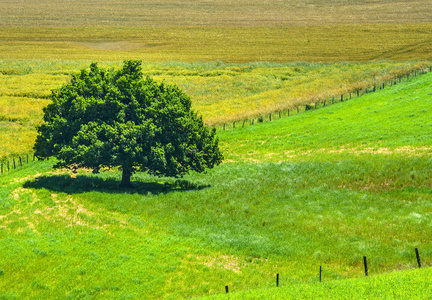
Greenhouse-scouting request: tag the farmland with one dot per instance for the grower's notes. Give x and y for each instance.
(322, 187)
(221, 93)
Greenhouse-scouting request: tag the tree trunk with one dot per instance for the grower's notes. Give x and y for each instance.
(126, 179)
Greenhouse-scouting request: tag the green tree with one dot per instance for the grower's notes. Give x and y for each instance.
(110, 118)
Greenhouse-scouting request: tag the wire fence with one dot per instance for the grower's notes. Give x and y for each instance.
(323, 102)
(320, 274)
(15, 162)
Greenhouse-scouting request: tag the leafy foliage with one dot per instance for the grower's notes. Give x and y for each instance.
(108, 118)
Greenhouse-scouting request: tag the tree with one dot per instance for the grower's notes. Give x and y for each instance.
(110, 118)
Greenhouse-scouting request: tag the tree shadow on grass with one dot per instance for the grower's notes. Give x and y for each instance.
(84, 184)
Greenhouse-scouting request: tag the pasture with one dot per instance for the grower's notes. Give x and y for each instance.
(325, 187)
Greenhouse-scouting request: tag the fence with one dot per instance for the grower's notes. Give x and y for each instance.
(320, 278)
(13, 163)
(322, 102)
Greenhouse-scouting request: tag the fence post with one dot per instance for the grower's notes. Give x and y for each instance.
(226, 289)
(224, 127)
(277, 279)
(279, 114)
(418, 257)
(365, 265)
(8, 165)
(27, 158)
(1, 164)
(288, 112)
(13, 159)
(20, 161)
(320, 273)
(358, 93)
(234, 124)
(270, 117)
(298, 109)
(341, 98)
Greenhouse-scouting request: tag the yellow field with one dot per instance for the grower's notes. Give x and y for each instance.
(174, 13)
(335, 43)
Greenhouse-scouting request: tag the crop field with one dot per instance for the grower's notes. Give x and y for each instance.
(229, 31)
(172, 13)
(325, 187)
(329, 43)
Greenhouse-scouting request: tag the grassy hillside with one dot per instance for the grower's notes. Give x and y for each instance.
(326, 187)
(413, 284)
(219, 92)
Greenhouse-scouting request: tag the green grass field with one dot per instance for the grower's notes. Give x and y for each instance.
(413, 284)
(325, 187)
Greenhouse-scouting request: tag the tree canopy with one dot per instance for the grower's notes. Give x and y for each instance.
(118, 118)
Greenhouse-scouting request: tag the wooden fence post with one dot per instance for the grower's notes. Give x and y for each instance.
(234, 124)
(320, 273)
(277, 279)
(270, 117)
(224, 127)
(418, 257)
(288, 112)
(341, 98)
(20, 161)
(365, 265)
(226, 289)
(13, 159)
